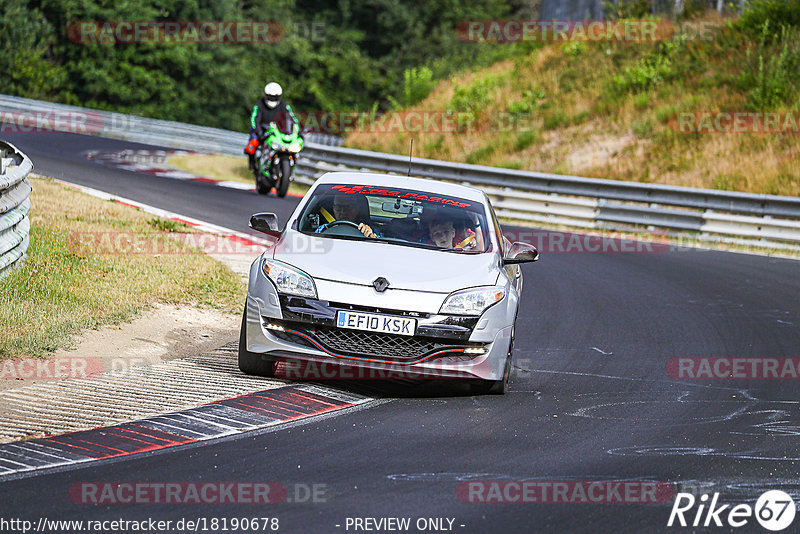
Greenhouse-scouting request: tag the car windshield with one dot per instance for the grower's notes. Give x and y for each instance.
(398, 216)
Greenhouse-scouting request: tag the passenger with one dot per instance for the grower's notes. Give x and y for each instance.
(442, 233)
(468, 234)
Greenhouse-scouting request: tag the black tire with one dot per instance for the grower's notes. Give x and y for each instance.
(262, 184)
(251, 363)
(286, 174)
(497, 387)
(500, 387)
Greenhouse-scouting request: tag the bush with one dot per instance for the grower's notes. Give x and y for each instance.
(473, 98)
(530, 101)
(574, 48)
(626, 9)
(772, 13)
(646, 74)
(417, 84)
(693, 9)
(771, 76)
(652, 69)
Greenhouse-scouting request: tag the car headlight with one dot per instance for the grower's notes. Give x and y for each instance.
(289, 280)
(472, 301)
(295, 147)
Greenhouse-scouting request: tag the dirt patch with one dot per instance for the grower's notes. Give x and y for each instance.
(598, 152)
(164, 332)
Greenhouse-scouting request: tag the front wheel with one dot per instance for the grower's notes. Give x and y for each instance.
(262, 186)
(284, 178)
(252, 363)
(498, 387)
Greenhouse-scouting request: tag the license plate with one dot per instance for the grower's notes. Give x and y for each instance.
(371, 322)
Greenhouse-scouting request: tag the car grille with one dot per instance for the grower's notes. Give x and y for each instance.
(375, 344)
(388, 347)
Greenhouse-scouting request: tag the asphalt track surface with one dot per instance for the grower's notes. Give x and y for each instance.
(590, 397)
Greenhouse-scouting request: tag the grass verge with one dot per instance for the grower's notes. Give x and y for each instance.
(615, 110)
(63, 288)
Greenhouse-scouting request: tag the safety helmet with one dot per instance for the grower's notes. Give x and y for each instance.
(272, 94)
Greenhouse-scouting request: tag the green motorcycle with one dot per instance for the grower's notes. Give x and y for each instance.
(275, 158)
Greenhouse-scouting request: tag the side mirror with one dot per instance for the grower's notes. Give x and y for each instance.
(266, 223)
(521, 253)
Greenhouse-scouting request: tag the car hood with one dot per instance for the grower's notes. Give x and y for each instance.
(409, 268)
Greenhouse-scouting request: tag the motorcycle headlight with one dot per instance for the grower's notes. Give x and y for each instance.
(295, 147)
(472, 301)
(289, 280)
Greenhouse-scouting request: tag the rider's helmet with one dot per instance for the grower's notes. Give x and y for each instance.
(272, 94)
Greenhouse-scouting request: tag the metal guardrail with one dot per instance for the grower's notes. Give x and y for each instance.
(26, 115)
(15, 190)
(766, 220)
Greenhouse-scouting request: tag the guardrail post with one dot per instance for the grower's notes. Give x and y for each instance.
(15, 190)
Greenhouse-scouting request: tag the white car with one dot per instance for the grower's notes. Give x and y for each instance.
(408, 275)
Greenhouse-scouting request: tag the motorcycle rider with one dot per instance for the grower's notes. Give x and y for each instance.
(269, 108)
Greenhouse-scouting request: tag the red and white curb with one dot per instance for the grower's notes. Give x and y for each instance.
(154, 163)
(235, 415)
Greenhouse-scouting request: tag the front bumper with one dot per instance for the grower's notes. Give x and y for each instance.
(303, 329)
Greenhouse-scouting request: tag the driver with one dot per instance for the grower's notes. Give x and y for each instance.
(349, 207)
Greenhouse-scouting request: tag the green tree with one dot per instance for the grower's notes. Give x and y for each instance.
(25, 41)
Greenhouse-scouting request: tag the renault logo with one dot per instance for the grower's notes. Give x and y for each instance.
(380, 284)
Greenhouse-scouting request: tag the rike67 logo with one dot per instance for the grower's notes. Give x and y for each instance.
(774, 510)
